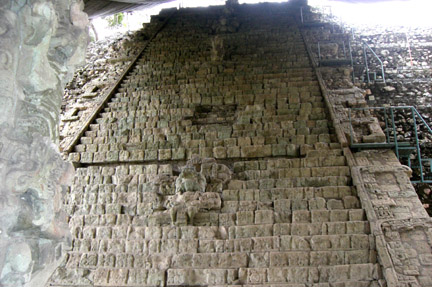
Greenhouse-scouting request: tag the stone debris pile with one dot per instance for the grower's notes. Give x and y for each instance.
(407, 58)
(105, 62)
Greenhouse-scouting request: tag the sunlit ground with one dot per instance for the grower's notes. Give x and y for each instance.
(408, 13)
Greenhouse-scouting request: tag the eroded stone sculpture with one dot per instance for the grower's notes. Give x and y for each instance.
(196, 189)
(40, 43)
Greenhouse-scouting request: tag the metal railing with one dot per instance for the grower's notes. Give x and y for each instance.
(365, 45)
(403, 149)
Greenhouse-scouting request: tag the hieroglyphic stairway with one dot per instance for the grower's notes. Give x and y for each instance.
(216, 164)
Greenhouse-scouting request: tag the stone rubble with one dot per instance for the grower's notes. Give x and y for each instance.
(407, 57)
(105, 62)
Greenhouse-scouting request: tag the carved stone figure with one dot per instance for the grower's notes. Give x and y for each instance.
(217, 175)
(187, 202)
(190, 180)
(188, 187)
(162, 186)
(196, 189)
(218, 51)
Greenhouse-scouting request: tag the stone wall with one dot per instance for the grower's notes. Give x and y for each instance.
(40, 43)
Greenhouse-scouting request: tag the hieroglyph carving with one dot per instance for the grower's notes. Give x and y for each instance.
(409, 246)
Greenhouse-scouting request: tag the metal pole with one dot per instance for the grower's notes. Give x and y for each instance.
(366, 63)
(409, 49)
(394, 132)
(351, 127)
(421, 118)
(352, 62)
(301, 14)
(386, 124)
(417, 144)
(344, 50)
(379, 60)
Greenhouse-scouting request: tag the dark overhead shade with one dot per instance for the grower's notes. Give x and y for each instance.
(98, 8)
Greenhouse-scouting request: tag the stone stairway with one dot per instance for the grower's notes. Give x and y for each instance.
(216, 164)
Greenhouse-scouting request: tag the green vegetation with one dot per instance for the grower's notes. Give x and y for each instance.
(115, 20)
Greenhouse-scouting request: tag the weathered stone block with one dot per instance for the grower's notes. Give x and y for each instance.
(256, 151)
(256, 275)
(151, 154)
(86, 157)
(124, 155)
(245, 217)
(164, 154)
(220, 152)
(351, 202)
(112, 156)
(356, 215)
(264, 217)
(320, 216)
(278, 150)
(178, 154)
(335, 204)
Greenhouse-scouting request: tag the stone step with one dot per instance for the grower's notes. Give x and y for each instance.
(197, 83)
(172, 107)
(278, 70)
(145, 99)
(215, 123)
(269, 259)
(108, 126)
(280, 164)
(228, 217)
(96, 153)
(290, 182)
(296, 193)
(285, 144)
(291, 75)
(138, 243)
(321, 171)
(353, 273)
(108, 198)
(293, 115)
(322, 274)
(318, 153)
(256, 134)
(272, 232)
(285, 205)
(147, 68)
(142, 80)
